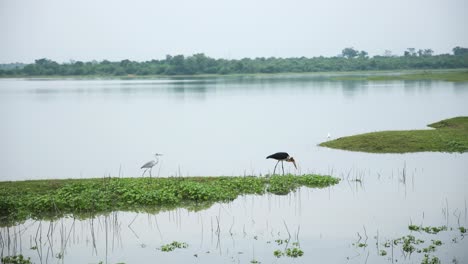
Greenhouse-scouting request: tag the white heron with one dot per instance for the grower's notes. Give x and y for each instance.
(150, 164)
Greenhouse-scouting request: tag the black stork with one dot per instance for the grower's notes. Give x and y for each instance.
(281, 156)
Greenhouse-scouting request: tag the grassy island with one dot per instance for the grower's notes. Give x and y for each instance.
(426, 75)
(449, 135)
(41, 199)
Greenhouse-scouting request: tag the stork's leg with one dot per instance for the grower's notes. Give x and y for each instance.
(144, 172)
(282, 167)
(275, 167)
(150, 172)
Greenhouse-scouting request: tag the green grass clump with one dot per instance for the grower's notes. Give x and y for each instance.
(85, 197)
(462, 229)
(277, 253)
(449, 135)
(434, 229)
(19, 259)
(292, 252)
(281, 241)
(410, 244)
(172, 246)
(430, 259)
(428, 229)
(430, 248)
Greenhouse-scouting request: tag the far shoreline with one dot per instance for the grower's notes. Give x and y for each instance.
(450, 75)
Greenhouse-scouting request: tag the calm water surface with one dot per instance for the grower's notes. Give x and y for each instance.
(227, 126)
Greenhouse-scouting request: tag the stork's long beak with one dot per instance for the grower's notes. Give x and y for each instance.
(291, 159)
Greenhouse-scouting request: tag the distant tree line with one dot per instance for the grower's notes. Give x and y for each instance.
(11, 66)
(350, 59)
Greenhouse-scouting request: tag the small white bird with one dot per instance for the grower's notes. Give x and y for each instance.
(328, 136)
(150, 164)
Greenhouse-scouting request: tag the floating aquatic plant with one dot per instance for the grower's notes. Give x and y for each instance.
(18, 259)
(172, 246)
(80, 197)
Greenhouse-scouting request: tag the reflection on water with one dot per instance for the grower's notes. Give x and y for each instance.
(366, 207)
(227, 126)
(209, 85)
(205, 126)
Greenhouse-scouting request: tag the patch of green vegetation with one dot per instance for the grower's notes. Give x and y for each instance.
(19, 259)
(172, 246)
(449, 135)
(430, 260)
(281, 241)
(430, 248)
(410, 244)
(450, 76)
(277, 253)
(285, 184)
(361, 245)
(462, 229)
(83, 198)
(294, 252)
(434, 229)
(201, 64)
(428, 229)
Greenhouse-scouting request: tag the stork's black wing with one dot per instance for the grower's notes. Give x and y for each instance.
(278, 156)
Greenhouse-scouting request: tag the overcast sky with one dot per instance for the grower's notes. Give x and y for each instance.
(149, 29)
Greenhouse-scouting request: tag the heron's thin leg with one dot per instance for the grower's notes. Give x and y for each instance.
(275, 167)
(150, 172)
(282, 166)
(144, 172)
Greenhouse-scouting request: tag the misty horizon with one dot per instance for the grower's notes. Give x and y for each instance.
(119, 30)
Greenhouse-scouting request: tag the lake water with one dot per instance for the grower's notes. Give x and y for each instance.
(227, 126)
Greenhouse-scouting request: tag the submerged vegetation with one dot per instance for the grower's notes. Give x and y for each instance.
(449, 135)
(38, 199)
